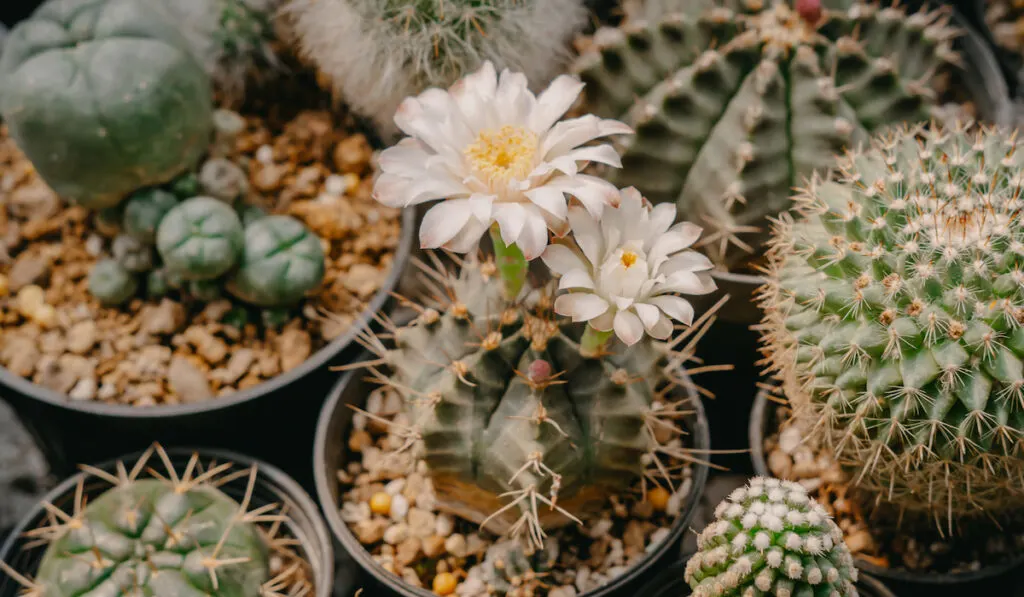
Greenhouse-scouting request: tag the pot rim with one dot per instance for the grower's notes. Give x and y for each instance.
(267, 474)
(315, 361)
(758, 426)
(325, 480)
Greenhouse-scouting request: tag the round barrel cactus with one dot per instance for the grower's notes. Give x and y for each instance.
(281, 262)
(200, 238)
(104, 98)
(112, 283)
(143, 212)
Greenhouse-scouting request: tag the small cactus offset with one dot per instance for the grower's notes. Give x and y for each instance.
(200, 239)
(281, 261)
(735, 102)
(173, 533)
(771, 538)
(522, 431)
(377, 52)
(893, 319)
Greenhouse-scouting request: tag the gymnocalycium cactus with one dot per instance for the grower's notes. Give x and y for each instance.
(771, 538)
(165, 535)
(281, 261)
(893, 318)
(377, 52)
(734, 103)
(200, 239)
(96, 133)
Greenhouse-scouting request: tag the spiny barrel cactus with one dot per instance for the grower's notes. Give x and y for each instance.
(200, 239)
(734, 103)
(166, 535)
(771, 538)
(281, 261)
(378, 52)
(520, 428)
(893, 318)
(103, 98)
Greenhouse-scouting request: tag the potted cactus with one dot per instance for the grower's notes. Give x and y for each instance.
(514, 406)
(208, 522)
(163, 259)
(891, 326)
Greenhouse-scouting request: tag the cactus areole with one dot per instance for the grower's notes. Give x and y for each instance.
(894, 316)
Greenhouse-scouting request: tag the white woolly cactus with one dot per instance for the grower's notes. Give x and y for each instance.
(377, 52)
(771, 538)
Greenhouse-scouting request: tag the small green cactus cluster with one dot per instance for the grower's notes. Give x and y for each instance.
(894, 313)
(520, 428)
(771, 538)
(378, 52)
(735, 102)
(174, 534)
(511, 569)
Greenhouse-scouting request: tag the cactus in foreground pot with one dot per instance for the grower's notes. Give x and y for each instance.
(112, 283)
(735, 103)
(281, 261)
(173, 533)
(377, 52)
(771, 538)
(893, 318)
(96, 133)
(200, 239)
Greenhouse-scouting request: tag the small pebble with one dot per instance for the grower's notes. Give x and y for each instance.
(265, 154)
(433, 546)
(45, 315)
(394, 487)
(396, 534)
(658, 497)
(335, 185)
(422, 524)
(5, 287)
(29, 298)
(380, 503)
(399, 507)
(445, 584)
(445, 525)
(790, 438)
(407, 551)
(85, 389)
(456, 545)
(82, 337)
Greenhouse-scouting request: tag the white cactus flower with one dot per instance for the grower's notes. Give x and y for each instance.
(626, 269)
(495, 152)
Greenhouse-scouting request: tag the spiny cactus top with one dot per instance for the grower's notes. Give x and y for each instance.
(771, 538)
(522, 430)
(894, 312)
(734, 103)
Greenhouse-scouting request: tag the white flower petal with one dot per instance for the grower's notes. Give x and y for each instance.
(550, 200)
(534, 237)
(468, 239)
(554, 101)
(587, 234)
(628, 328)
(604, 322)
(662, 217)
(511, 217)
(594, 193)
(649, 314)
(442, 223)
(661, 330)
(561, 260)
(687, 283)
(580, 306)
(570, 134)
(576, 279)
(513, 100)
(404, 159)
(689, 261)
(677, 308)
(602, 154)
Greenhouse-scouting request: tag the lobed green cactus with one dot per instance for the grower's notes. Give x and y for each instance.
(93, 132)
(200, 239)
(378, 52)
(112, 283)
(281, 261)
(771, 538)
(735, 102)
(143, 212)
(893, 319)
(519, 428)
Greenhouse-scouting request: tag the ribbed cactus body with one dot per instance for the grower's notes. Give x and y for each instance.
(894, 314)
(771, 538)
(735, 103)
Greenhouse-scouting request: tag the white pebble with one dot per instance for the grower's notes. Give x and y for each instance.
(790, 439)
(265, 154)
(456, 545)
(583, 579)
(107, 391)
(395, 487)
(374, 403)
(355, 512)
(85, 389)
(335, 185)
(94, 245)
(566, 591)
(399, 507)
(444, 526)
(656, 538)
(601, 528)
(395, 534)
(426, 500)
(359, 422)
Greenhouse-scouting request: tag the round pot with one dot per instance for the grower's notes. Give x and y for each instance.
(902, 581)
(670, 583)
(283, 408)
(331, 448)
(272, 487)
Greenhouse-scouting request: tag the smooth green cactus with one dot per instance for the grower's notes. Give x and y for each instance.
(200, 239)
(111, 283)
(223, 179)
(520, 429)
(893, 318)
(143, 212)
(133, 255)
(281, 262)
(96, 133)
(735, 102)
(771, 538)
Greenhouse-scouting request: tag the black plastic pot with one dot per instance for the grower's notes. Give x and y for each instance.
(331, 449)
(903, 582)
(272, 487)
(274, 421)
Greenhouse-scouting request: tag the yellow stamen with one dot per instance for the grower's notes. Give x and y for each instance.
(628, 259)
(503, 154)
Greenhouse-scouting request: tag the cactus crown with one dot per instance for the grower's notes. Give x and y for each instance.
(519, 429)
(893, 318)
(771, 538)
(721, 93)
(170, 534)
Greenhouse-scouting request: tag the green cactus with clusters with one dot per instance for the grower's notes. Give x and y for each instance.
(893, 319)
(771, 538)
(200, 239)
(521, 429)
(173, 534)
(93, 131)
(735, 102)
(281, 261)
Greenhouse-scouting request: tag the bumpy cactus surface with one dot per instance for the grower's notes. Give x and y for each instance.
(521, 430)
(281, 261)
(103, 98)
(893, 318)
(143, 212)
(200, 239)
(112, 283)
(771, 538)
(734, 103)
(378, 52)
